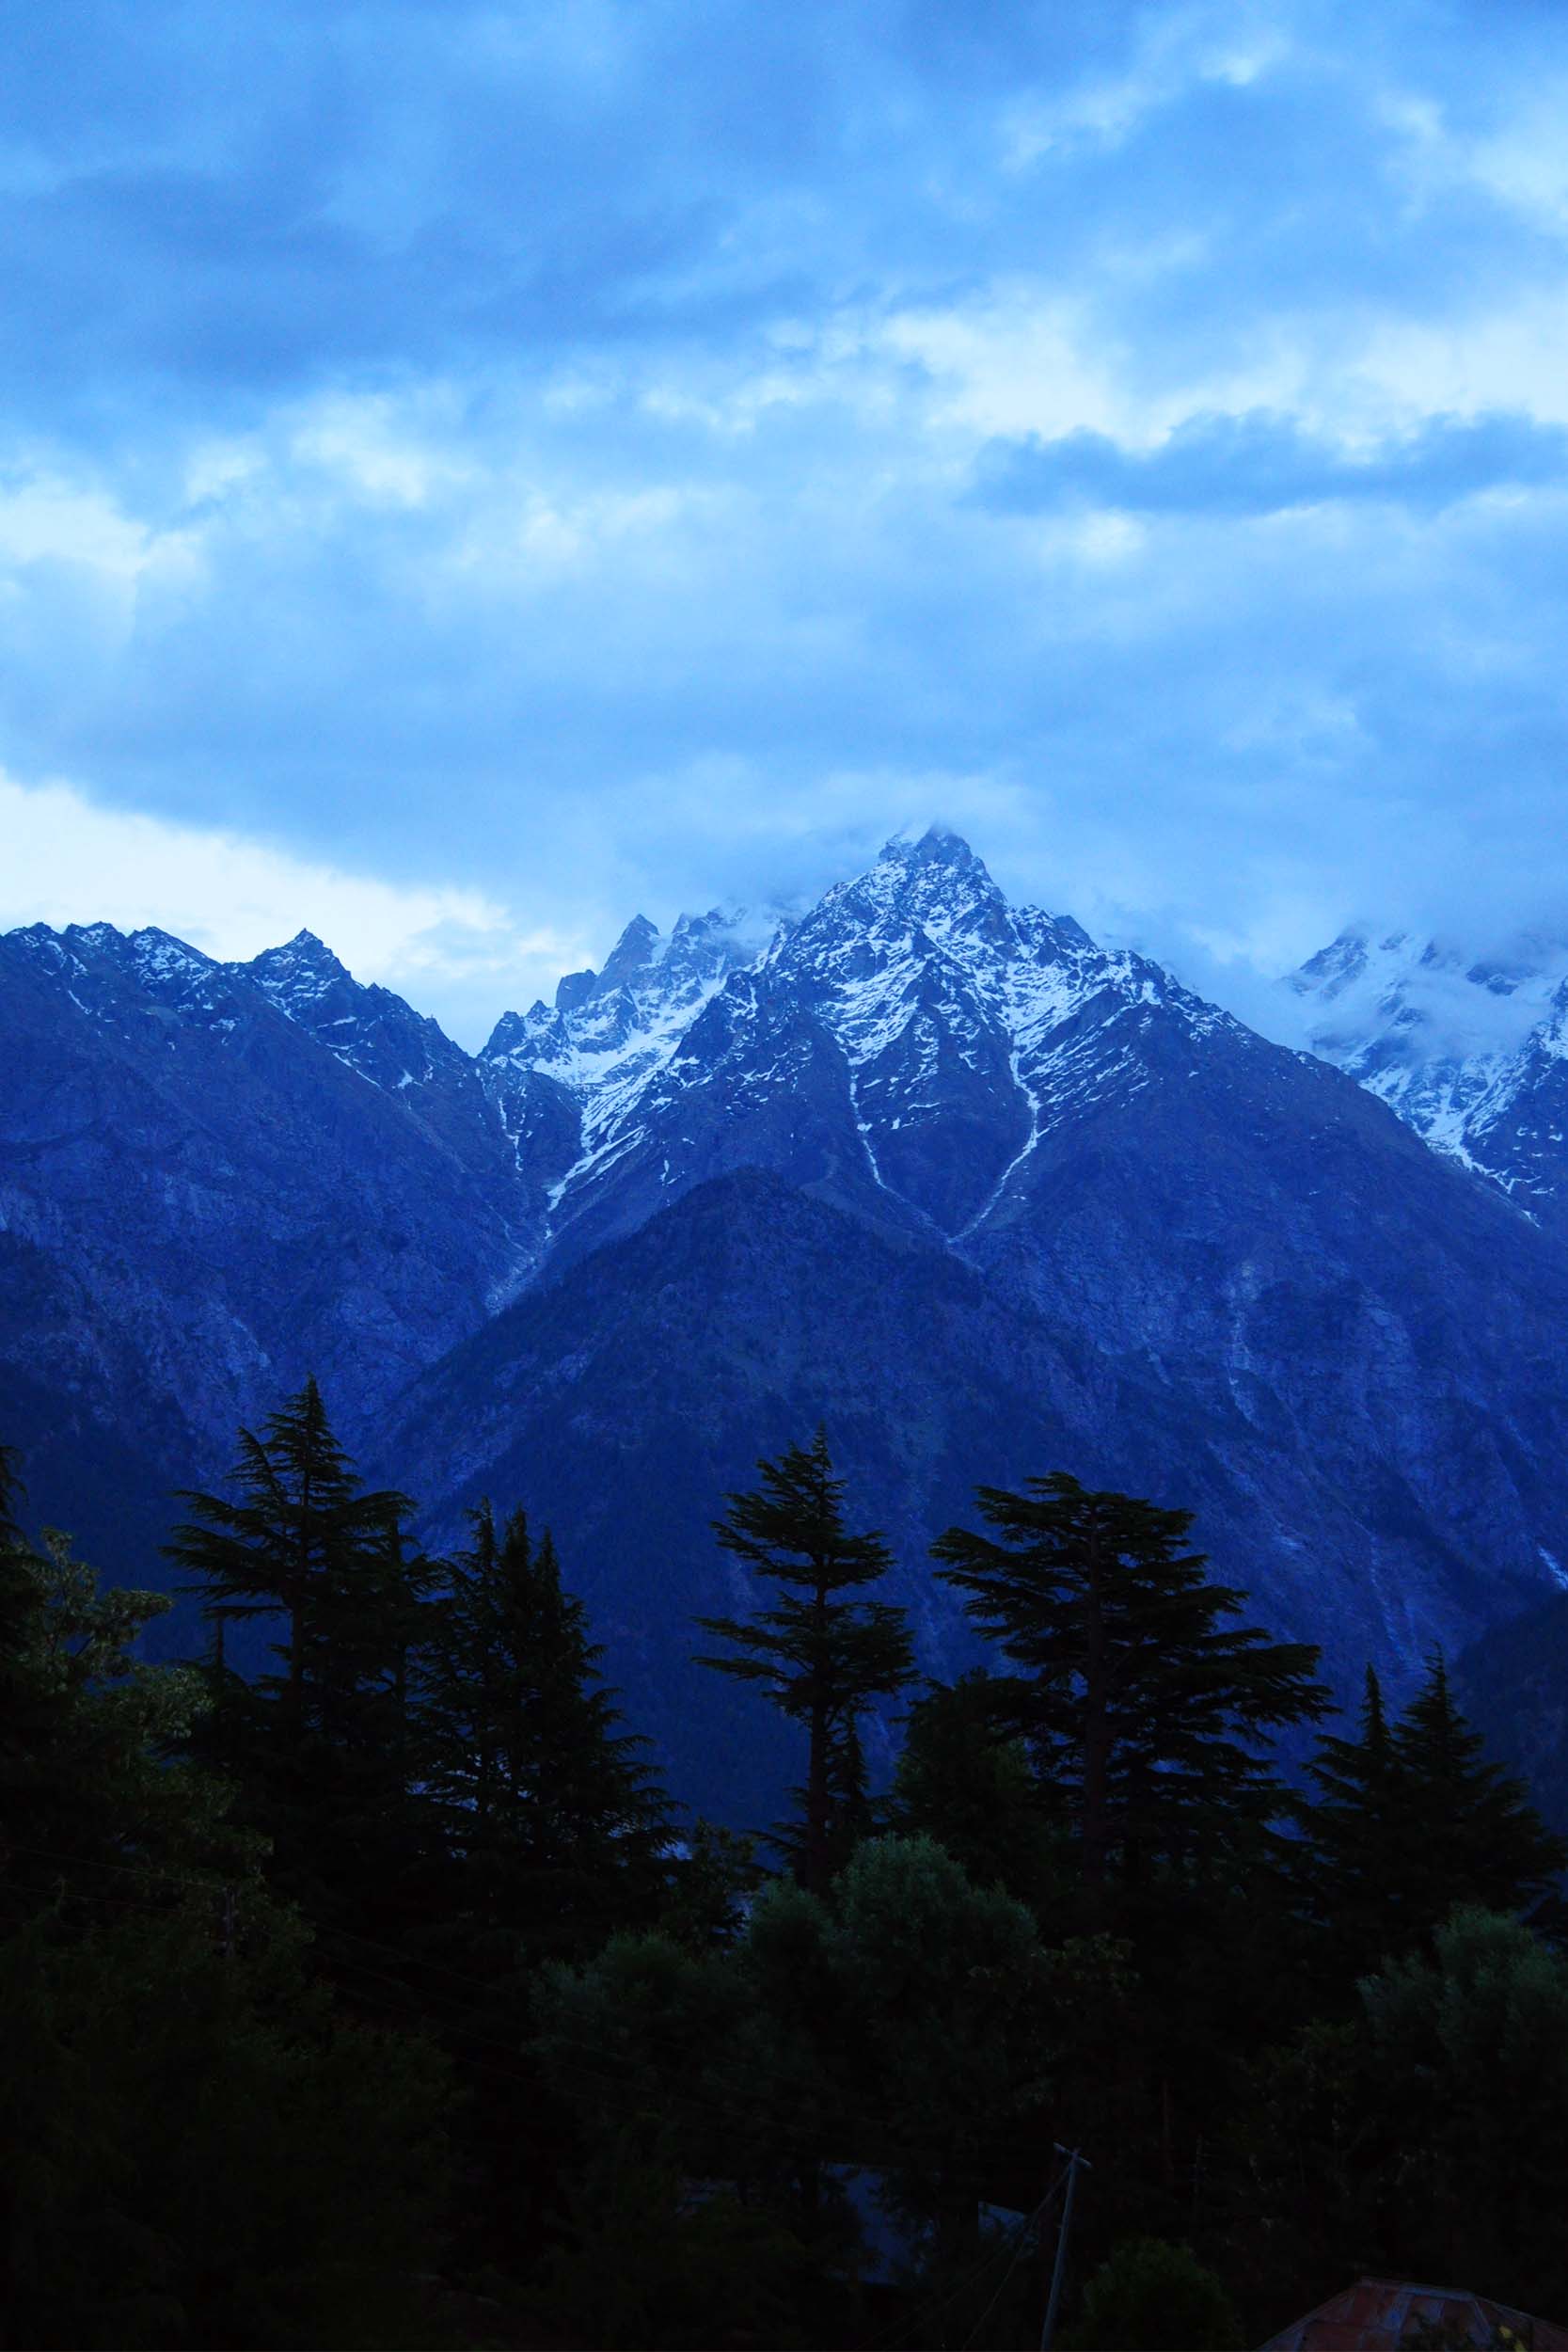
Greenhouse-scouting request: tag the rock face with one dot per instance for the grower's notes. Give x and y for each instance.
(1197, 1266)
(563, 1079)
(1473, 1056)
(986, 1198)
(903, 1050)
(215, 1177)
(1514, 1681)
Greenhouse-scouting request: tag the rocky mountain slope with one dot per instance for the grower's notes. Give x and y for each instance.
(1473, 1056)
(905, 1048)
(562, 1077)
(1204, 1267)
(986, 1198)
(215, 1178)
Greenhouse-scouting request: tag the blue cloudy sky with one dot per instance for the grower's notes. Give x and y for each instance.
(468, 471)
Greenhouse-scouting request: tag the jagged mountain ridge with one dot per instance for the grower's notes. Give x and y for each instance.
(213, 1201)
(903, 1047)
(1473, 1054)
(562, 1076)
(1280, 1305)
(1197, 1263)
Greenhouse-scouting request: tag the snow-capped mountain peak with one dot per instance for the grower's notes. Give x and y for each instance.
(912, 1032)
(297, 974)
(371, 1028)
(608, 1033)
(1403, 1002)
(116, 975)
(934, 883)
(1466, 1049)
(633, 952)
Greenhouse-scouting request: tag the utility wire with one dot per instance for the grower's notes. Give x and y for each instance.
(933, 2310)
(1033, 2221)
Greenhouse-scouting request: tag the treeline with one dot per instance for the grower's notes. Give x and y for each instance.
(385, 1997)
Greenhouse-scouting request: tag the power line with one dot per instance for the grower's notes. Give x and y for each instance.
(1075, 2158)
(1032, 2221)
(1016, 2239)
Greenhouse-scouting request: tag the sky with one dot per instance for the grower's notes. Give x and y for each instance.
(470, 472)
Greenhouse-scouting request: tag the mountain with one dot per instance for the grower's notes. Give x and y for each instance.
(214, 1179)
(1196, 1264)
(984, 1198)
(1473, 1054)
(1512, 1681)
(561, 1077)
(904, 1048)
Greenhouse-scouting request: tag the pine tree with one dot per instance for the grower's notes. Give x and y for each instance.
(1474, 1833)
(325, 1752)
(29, 1707)
(89, 1815)
(821, 1657)
(965, 1779)
(11, 1537)
(22, 1612)
(555, 1822)
(190, 2148)
(1410, 1820)
(301, 1538)
(1143, 1710)
(1353, 1839)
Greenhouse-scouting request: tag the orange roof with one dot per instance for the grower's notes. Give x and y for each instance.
(1375, 2314)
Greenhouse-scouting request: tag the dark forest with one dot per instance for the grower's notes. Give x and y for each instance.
(385, 1997)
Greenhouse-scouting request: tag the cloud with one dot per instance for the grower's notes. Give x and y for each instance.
(625, 456)
(1265, 464)
(69, 861)
(44, 520)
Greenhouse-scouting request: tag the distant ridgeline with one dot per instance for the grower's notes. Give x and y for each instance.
(937, 1171)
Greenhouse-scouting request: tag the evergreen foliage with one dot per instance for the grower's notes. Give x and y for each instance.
(645, 2258)
(1408, 1818)
(1473, 1836)
(820, 1656)
(712, 1873)
(553, 1824)
(966, 1780)
(1427, 2133)
(87, 1804)
(192, 2149)
(910, 2024)
(196, 2152)
(298, 1537)
(1350, 1859)
(648, 2034)
(950, 2026)
(1511, 1679)
(636, 2084)
(1470, 2048)
(1157, 2296)
(11, 1537)
(30, 1707)
(1143, 1710)
(326, 1752)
